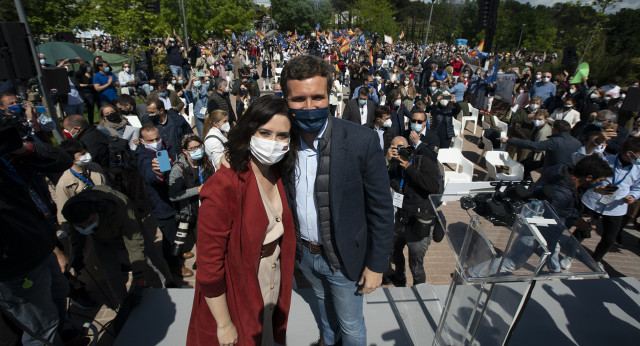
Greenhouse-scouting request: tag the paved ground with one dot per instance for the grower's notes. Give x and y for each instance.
(623, 260)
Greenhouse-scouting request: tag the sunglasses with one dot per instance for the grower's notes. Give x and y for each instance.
(416, 121)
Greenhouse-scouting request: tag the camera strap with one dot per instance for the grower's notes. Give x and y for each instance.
(82, 178)
(404, 174)
(11, 172)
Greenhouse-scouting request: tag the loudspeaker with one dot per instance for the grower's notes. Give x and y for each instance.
(65, 36)
(15, 52)
(56, 78)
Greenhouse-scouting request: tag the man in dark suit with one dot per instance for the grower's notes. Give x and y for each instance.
(344, 224)
(360, 110)
(424, 141)
(381, 124)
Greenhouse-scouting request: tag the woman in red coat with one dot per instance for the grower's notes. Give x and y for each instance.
(246, 240)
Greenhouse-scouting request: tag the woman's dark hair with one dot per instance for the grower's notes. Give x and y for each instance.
(72, 146)
(259, 113)
(594, 166)
(204, 161)
(250, 92)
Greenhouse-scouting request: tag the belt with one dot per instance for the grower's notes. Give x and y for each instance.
(268, 249)
(313, 248)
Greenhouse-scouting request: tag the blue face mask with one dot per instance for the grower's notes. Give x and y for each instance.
(416, 127)
(107, 69)
(598, 123)
(370, 85)
(197, 84)
(362, 102)
(15, 109)
(196, 154)
(163, 94)
(89, 229)
(279, 94)
(310, 120)
(244, 92)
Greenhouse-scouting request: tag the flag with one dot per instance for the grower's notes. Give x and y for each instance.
(317, 26)
(583, 71)
(401, 35)
(362, 39)
(260, 34)
(344, 46)
(233, 37)
(480, 47)
(289, 33)
(368, 33)
(228, 32)
(349, 32)
(388, 39)
(301, 37)
(482, 55)
(282, 41)
(295, 34)
(371, 57)
(493, 76)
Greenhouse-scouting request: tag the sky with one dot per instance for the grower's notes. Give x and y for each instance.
(633, 4)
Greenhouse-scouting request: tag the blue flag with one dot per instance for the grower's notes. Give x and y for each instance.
(482, 55)
(301, 37)
(282, 42)
(362, 39)
(336, 33)
(233, 37)
(494, 72)
(368, 33)
(317, 26)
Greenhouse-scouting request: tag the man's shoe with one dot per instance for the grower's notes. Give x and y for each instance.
(187, 255)
(182, 271)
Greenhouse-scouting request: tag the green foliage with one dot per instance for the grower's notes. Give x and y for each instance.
(127, 19)
(301, 15)
(44, 16)
(375, 16)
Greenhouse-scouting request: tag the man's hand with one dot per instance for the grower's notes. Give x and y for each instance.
(608, 134)
(30, 112)
(155, 167)
(629, 199)
(603, 190)
(369, 280)
(63, 259)
(504, 140)
(404, 164)
(110, 80)
(414, 137)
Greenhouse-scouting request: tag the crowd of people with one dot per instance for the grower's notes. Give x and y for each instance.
(295, 174)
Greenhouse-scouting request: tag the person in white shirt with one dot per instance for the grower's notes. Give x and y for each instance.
(127, 79)
(216, 126)
(566, 113)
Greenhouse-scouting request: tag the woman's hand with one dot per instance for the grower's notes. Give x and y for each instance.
(227, 335)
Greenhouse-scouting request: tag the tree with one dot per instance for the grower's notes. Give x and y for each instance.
(45, 17)
(126, 19)
(301, 15)
(375, 16)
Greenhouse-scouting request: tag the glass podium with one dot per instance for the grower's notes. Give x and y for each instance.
(497, 265)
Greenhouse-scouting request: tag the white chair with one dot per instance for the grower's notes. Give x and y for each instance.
(504, 127)
(502, 158)
(457, 142)
(276, 77)
(473, 116)
(455, 158)
(456, 127)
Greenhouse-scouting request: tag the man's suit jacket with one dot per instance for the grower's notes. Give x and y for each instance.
(429, 146)
(352, 111)
(359, 200)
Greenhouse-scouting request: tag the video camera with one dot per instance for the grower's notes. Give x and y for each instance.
(14, 129)
(500, 207)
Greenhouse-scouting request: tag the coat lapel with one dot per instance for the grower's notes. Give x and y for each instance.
(338, 165)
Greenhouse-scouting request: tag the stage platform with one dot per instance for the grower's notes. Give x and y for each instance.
(570, 312)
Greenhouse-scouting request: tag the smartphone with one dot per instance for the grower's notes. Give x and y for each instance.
(611, 187)
(614, 127)
(199, 74)
(163, 160)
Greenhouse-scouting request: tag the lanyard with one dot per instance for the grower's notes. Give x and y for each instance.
(614, 172)
(200, 174)
(404, 173)
(81, 177)
(11, 172)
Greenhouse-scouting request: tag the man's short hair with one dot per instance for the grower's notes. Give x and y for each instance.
(608, 115)
(147, 128)
(72, 146)
(594, 166)
(159, 104)
(363, 91)
(125, 99)
(562, 126)
(305, 67)
(162, 83)
(380, 111)
(543, 112)
(631, 144)
(218, 82)
(77, 120)
(418, 111)
(536, 98)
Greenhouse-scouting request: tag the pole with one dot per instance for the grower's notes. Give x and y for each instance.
(520, 39)
(429, 23)
(588, 44)
(184, 25)
(43, 88)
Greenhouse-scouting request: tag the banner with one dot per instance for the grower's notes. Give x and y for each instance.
(388, 39)
(461, 42)
(583, 71)
(505, 84)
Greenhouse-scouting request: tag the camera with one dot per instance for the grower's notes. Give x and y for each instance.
(406, 153)
(500, 207)
(181, 236)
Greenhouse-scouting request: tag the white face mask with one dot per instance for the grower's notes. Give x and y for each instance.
(89, 229)
(127, 69)
(538, 123)
(406, 82)
(572, 91)
(268, 152)
(397, 103)
(155, 146)
(387, 123)
(83, 160)
(533, 106)
(594, 96)
(600, 149)
(225, 127)
(538, 77)
(444, 103)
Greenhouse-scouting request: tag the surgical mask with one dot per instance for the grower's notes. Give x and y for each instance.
(538, 77)
(207, 83)
(387, 123)
(397, 103)
(83, 160)
(416, 127)
(89, 229)
(534, 107)
(163, 94)
(173, 82)
(279, 94)
(89, 69)
(594, 96)
(181, 82)
(466, 75)
(225, 127)
(572, 91)
(197, 84)
(310, 120)
(433, 89)
(268, 152)
(155, 146)
(598, 123)
(362, 102)
(538, 123)
(196, 154)
(107, 69)
(546, 79)
(378, 78)
(127, 69)
(43, 61)
(444, 103)
(636, 161)
(622, 96)
(15, 109)
(520, 91)
(406, 82)
(599, 149)
(568, 106)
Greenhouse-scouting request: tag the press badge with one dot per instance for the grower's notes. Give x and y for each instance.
(203, 110)
(608, 199)
(397, 199)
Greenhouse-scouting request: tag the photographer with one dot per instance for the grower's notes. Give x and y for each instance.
(32, 288)
(413, 179)
(37, 123)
